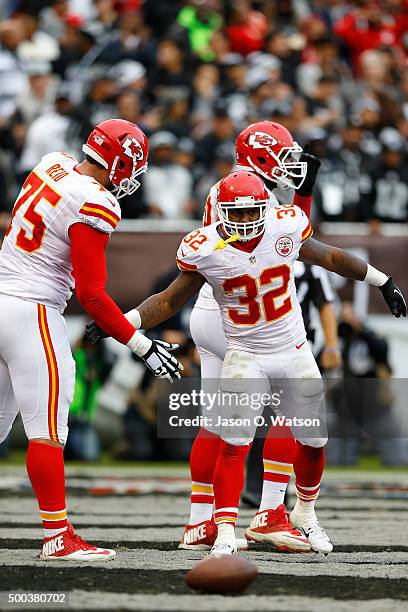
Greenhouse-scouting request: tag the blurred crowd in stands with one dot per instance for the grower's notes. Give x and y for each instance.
(193, 73)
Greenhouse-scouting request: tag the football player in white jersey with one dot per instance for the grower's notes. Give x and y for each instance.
(264, 331)
(267, 149)
(61, 223)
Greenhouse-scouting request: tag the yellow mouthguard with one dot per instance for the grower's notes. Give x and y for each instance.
(221, 244)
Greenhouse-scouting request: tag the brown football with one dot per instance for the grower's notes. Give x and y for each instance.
(221, 574)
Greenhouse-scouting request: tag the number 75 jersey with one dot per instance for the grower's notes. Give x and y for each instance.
(255, 291)
(35, 261)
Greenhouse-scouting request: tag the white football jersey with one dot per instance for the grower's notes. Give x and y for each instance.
(35, 262)
(205, 297)
(255, 291)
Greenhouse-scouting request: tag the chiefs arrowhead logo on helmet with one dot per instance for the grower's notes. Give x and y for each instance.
(132, 148)
(260, 140)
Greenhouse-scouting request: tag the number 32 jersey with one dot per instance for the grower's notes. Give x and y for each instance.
(35, 262)
(255, 291)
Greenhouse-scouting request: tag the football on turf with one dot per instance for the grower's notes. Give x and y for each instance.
(221, 574)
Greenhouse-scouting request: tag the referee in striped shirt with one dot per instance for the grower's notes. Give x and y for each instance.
(314, 291)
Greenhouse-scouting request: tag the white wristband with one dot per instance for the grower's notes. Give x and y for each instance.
(139, 344)
(375, 277)
(133, 316)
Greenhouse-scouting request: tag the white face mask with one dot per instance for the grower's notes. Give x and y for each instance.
(289, 173)
(127, 186)
(245, 229)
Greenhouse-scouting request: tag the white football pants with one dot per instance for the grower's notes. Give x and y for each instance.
(294, 371)
(37, 370)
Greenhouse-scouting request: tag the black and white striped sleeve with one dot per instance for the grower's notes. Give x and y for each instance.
(321, 292)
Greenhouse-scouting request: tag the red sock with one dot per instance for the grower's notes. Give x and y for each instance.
(45, 467)
(229, 481)
(278, 455)
(308, 466)
(203, 457)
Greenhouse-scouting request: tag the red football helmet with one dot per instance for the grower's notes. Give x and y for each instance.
(242, 189)
(122, 149)
(269, 150)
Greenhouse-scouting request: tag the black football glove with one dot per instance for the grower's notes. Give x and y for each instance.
(393, 296)
(94, 333)
(313, 165)
(160, 361)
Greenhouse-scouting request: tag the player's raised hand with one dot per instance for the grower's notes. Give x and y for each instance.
(394, 297)
(313, 165)
(94, 333)
(160, 361)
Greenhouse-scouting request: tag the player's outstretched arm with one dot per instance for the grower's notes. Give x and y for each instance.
(345, 264)
(158, 307)
(89, 269)
(162, 306)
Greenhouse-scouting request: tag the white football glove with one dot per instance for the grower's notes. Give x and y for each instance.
(159, 360)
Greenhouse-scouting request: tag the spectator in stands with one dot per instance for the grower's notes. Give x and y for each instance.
(12, 77)
(36, 44)
(246, 28)
(344, 180)
(201, 18)
(223, 163)
(37, 98)
(64, 123)
(369, 26)
(168, 186)
(222, 132)
(326, 60)
(326, 102)
(388, 197)
(131, 41)
(99, 103)
(277, 44)
(52, 18)
(206, 89)
(171, 71)
(176, 115)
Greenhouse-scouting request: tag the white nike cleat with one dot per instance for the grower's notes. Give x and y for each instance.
(225, 543)
(223, 549)
(308, 524)
(68, 546)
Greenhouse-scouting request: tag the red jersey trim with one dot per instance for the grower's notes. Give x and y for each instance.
(96, 210)
(307, 232)
(185, 267)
